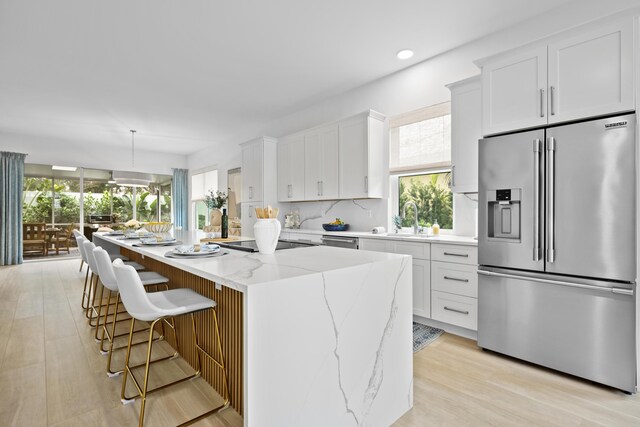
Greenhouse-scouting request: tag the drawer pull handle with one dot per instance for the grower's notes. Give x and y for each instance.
(456, 279)
(456, 310)
(461, 255)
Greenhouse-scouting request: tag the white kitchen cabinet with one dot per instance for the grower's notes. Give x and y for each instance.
(455, 309)
(291, 168)
(258, 179)
(321, 163)
(466, 130)
(513, 91)
(421, 268)
(591, 74)
(361, 156)
(248, 212)
(421, 287)
(375, 245)
(341, 160)
(454, 284)
(258, 170)
(584, 72)
(252, 170)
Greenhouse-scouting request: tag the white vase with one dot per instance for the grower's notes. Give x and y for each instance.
(266, 232)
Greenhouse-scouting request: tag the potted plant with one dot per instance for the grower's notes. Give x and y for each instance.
(215, 202)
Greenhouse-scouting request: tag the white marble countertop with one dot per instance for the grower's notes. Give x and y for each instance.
(241, 270)
(443, 238)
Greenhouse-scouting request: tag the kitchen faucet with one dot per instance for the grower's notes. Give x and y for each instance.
(415, 215)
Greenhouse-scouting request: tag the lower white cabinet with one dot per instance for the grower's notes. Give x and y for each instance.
(460, 279)
(421, 268)
(445, 279)
(455, 309)
(421, 287)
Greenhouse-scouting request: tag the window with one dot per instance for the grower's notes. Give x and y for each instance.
(201, 184)
(420, 162)
(54, 196)
(431, 194)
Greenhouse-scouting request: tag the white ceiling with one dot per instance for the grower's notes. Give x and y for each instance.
(188, 73)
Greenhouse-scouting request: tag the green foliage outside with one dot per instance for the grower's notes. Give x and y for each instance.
(67, 206)
(431, 195)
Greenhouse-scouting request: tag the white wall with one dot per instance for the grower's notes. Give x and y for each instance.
(64, 153)
(415, 87)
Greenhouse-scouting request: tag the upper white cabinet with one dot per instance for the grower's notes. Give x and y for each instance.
(321, 163)
(513, 91)
(584, 73)
(591, 74)
(341, 160)
(466, 130)
(258, 184)
(291, 168)
(361, 156)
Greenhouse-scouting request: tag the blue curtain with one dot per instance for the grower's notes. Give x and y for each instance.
(180, 188)
(11, 176)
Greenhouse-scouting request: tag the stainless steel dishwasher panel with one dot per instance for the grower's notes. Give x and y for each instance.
(341, 241)
(580, 327)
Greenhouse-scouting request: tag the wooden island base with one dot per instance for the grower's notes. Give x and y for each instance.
(230, 315)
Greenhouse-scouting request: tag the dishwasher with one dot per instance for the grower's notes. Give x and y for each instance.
(340, 241)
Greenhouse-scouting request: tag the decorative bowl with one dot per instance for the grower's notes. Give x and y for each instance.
(335, 227)
(158, 227)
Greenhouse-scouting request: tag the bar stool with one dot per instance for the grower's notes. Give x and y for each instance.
(108, 279)
(86, 293)
(91, 309)
(77, 234)
(155, 307)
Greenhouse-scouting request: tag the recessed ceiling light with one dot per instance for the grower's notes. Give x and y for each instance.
(405, 54)
(64, 168)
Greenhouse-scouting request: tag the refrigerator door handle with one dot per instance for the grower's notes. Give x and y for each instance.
(551, 212)
(536, 199)
(622, 291)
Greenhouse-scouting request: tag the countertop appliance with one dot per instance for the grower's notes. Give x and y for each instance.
(251, 246)
(556, 248)
(340, 241)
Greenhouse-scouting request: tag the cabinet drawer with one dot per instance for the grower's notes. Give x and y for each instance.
(460, 279)
(454, 309)
(375, 245)
(415, 249)
(460, 254)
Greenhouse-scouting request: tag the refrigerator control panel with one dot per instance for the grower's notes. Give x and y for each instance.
(503, 219)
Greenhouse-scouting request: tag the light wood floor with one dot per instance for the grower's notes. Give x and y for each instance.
(52, 374)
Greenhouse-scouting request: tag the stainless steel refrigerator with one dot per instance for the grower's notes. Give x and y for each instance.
(557, 248)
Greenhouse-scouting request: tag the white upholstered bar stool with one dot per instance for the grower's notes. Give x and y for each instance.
(93, 310)
(108, 279)
(155, 307)
(86, 293)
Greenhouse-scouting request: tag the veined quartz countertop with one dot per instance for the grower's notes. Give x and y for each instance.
(240, 270)
(442, 238)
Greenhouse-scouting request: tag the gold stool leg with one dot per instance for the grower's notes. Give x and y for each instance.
(126, 363)
(84, 291)
(200, 351)
(81, 264)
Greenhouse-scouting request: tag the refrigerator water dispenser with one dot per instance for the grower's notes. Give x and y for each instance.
(503, 219)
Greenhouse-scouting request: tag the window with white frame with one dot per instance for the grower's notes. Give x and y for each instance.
(201, 184)
(420, 165)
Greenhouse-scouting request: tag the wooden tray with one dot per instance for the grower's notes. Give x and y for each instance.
(220, 239)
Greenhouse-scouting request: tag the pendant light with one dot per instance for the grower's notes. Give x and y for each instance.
(132, 179)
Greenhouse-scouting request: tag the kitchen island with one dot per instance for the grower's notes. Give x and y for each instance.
(311, 336)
